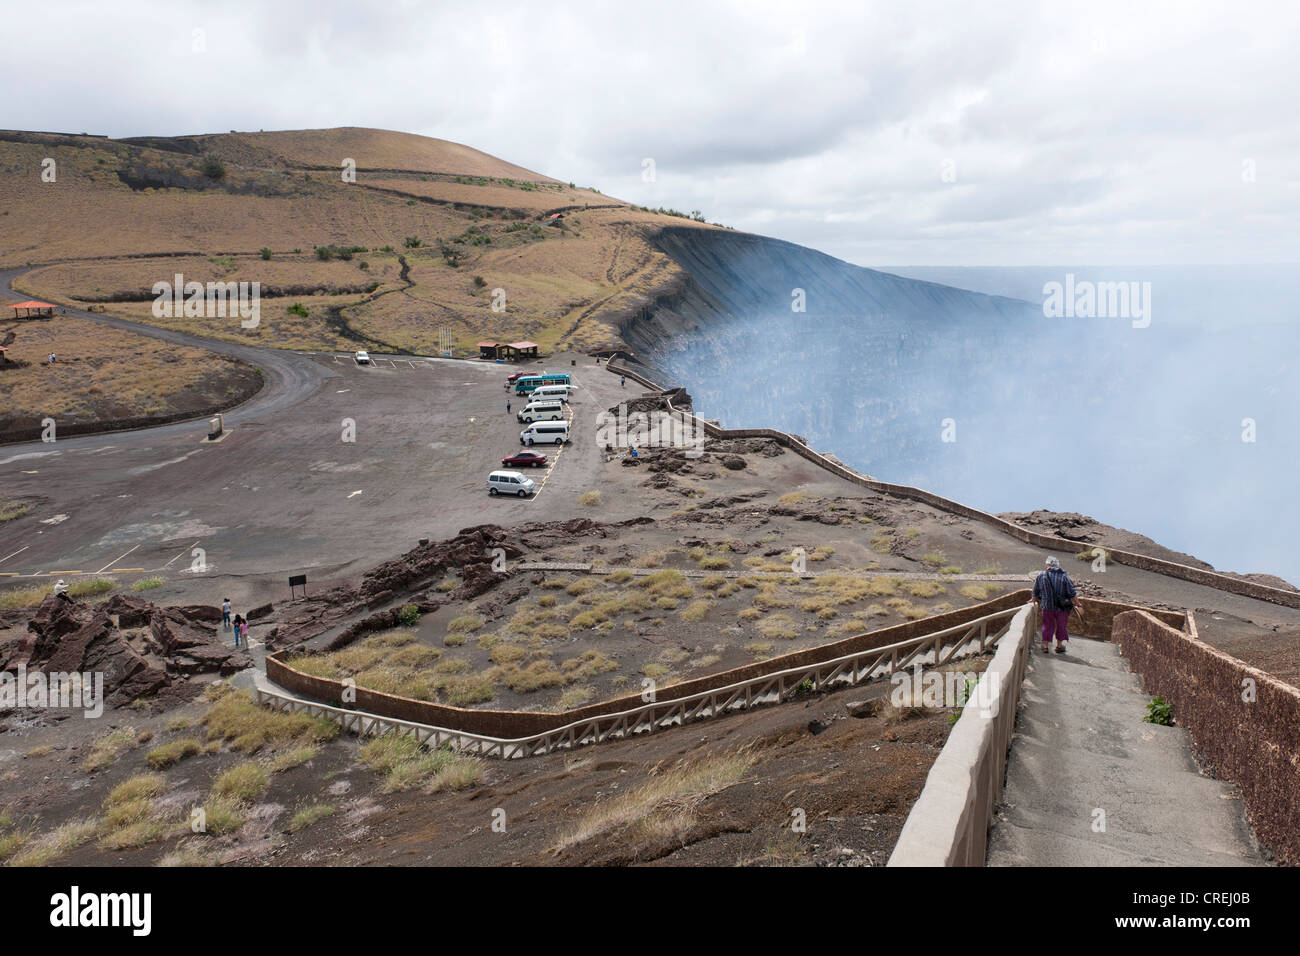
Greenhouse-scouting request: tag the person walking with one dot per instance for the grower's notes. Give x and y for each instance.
(507, 406)
(225, 614)
(239, 625)
(1054, 593)
(243, 632)
(622, 380)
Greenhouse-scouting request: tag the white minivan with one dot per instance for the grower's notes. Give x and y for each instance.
(549, 410)
(510, 483)
(550, 391)
(545, 433)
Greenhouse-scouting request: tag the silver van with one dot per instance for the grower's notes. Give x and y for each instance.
(510, 483)
(545, 433)
(551, 409)
(550, 391)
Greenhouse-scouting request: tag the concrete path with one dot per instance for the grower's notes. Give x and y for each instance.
(1090, 784)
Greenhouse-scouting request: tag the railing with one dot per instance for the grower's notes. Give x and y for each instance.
(938, 648)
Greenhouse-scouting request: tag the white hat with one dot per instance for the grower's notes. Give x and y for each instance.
(1051, 562)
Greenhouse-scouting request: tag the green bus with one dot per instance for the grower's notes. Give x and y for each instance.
(527, 383)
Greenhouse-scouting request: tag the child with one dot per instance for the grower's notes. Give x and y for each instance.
(244, 632)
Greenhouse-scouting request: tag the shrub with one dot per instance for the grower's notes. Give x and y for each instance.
(173, 752)
(408, 615)
(265, 253)
(213, 168)
(589, 498)
(243, 782)
(298, 309)
(411, 242)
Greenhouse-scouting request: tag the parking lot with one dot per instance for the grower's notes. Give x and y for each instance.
(372, 460)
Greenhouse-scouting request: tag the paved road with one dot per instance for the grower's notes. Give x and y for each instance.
(1090, 784)
(289, 377)
(330, 469)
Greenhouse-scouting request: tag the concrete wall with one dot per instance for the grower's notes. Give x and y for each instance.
(1255, 744)
(949, 823)
(1212, 579)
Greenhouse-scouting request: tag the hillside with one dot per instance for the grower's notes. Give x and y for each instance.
(417, 244)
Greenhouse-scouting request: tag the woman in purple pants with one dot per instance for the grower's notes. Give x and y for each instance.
(1055, 596)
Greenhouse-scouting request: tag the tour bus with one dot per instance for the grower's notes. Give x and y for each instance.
(527, 383)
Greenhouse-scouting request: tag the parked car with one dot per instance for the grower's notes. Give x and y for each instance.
(525, 459)
(510, 483)
(511, 379)
(363, 357)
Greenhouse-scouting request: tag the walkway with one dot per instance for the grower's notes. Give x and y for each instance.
(1081, 750)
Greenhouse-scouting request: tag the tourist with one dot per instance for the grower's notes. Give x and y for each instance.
(622, 380)
(61, 591)
(225, 614)
(507, 406)
(239, 625)
(1054, 594)
(243, 632)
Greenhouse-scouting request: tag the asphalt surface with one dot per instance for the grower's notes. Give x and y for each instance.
(329, 469)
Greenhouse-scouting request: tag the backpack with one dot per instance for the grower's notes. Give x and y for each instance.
(1060, 596)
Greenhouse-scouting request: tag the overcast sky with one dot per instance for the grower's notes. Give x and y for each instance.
(884, 133)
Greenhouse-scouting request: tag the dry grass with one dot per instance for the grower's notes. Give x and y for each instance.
(662, 808)
(237, 719)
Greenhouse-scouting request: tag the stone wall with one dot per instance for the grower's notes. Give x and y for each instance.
(1254, 743)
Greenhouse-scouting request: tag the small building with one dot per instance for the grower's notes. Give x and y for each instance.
(520, 351)
(42, 309)
(489, 350)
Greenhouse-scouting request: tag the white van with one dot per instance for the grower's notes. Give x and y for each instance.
(545, 433)
(510, 483)
(549, 410)
(550, 391)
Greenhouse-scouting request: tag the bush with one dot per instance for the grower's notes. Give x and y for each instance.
(411, 242)
(213, 168)
(298, 309)
(408, 615)
(265, 252)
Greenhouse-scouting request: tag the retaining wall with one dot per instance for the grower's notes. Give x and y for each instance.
(1255, 744)
(949, 823)
(1213, 579)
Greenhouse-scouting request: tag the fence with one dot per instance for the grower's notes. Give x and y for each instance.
(937, 648)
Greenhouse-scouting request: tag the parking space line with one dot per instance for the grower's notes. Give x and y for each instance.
(19, 551)
(182, 554)
(114, 561)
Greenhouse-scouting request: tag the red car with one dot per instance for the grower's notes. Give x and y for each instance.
(510, 379)
(525, 459)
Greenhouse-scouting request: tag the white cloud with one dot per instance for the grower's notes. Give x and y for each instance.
(1090, 132)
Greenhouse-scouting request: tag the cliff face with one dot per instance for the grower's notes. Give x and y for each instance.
(869, 368)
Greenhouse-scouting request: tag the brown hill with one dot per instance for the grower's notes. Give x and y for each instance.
(428, 231)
